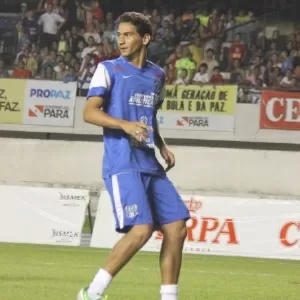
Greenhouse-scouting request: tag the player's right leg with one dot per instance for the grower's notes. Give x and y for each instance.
(134, 217)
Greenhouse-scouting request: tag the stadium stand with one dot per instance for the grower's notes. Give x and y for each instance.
(55, 41)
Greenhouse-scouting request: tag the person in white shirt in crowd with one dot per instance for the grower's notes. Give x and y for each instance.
(85, 74)
(91, 32)
(109, 32)
(202, 75)
(183, 78)
(91, 48)
(210, 61)
(51, 22)
(288, 80)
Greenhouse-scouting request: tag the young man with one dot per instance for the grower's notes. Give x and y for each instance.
(128, 92)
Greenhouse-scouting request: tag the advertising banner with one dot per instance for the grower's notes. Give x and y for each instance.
(193, 107)
(223, 226)
(12, 100)
(49, 103)
(280, 110)
(42, 215)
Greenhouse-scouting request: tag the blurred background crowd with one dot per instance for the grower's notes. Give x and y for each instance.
(200, 43)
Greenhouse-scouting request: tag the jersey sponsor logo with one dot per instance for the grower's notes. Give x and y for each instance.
(148, 143)
(144, 100)
(144, 120)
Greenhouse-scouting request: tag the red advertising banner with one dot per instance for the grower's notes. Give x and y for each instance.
(280, 110)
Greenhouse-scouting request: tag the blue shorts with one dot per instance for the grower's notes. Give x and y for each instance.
(139, 198)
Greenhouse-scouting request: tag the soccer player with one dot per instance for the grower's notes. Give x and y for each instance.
(123, 98)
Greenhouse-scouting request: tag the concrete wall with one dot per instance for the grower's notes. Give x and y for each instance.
(211, 170)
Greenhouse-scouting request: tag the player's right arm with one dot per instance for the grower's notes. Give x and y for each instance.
(99, 89)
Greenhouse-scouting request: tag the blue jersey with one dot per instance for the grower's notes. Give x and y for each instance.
(130, 94)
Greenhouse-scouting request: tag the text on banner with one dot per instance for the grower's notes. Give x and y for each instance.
(12, 100)
(206, 99)
(280, 110)
(49, 103)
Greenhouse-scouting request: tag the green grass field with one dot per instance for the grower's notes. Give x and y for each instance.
(32, 272)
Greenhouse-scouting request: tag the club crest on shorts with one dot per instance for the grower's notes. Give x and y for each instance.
(131, 211)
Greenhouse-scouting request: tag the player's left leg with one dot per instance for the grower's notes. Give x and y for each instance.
(171, 214)
(174, 235)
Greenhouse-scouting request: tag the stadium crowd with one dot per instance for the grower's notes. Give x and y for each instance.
(196, 47)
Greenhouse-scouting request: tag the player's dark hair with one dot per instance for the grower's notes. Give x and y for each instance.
(142, 24)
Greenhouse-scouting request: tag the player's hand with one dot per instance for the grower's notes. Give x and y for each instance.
(138, 130)
(169, 158)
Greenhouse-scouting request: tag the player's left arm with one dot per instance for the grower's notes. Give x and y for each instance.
(161, 144)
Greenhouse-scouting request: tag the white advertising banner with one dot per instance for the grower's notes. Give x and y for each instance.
(49, 103)
(223, 226)
(42, 215)
(221, 123)
(199, 108)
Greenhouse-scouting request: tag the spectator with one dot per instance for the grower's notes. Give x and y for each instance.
(216, 77)
(25, 47)
(202, 75)
(273, 50)
(23, 8)
(186, 62)
(275, 61)
(210, 61)
(30, 27)
(237, 50)
(267, 75)
(253, 75)
(80, 14)
(178, 30)
(93, 11)
(171, 64)
(62, 44)
(61, 71)
(20, 72)
(213, 22)
(50, 60)
(109, 33)
(48, 73)
(236, 71)
(155, 17)
(288, 62)
(242, 18)
(70, 76)
(91, 47)
(30, 62)
(287, 50)
(197, 51)
(85, 74)
(288, 80)
(183, 78)
(92, 33)
(50, 21)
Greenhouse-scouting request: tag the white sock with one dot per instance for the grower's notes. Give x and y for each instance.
(99, 284)
(169, 292)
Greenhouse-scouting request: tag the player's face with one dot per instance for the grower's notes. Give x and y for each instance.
(129, 41)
